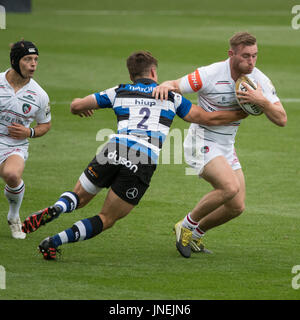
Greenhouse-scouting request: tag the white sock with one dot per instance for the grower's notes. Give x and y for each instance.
(189, 223)
(15, 198)
(198, 233)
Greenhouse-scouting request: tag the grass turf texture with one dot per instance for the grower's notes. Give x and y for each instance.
(82, 51)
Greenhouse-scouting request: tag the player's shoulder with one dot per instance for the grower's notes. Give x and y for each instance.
(35, 86)
(174, 96)
(263, 80)
(2, 76)
(214, 70)
(215, 67)
(258, 75)
(177, 99)
(37, 89)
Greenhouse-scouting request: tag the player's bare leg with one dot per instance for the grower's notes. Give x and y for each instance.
(225, 183)
(114, 208)
(229, 210)
(226, 186)
(11, 170)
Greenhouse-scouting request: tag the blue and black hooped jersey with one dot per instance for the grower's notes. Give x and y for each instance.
(143, 122)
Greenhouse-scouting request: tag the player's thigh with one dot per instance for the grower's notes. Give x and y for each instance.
(220, 175)
(114, 208)
(11, 170)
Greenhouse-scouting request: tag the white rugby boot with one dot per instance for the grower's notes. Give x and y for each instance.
(16, 229)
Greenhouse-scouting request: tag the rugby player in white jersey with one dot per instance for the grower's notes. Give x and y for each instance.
(22, 101)
(127, 162)
(215, 88)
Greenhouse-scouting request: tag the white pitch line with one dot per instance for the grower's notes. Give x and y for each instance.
(290, 100)
(170, 12)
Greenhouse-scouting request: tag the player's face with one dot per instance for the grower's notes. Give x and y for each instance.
(28, 65)
(244, 58)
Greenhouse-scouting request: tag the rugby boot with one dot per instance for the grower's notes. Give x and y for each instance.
(198, 246)
(48, 250)
(183, 239)
(15, 226)
(40, 218)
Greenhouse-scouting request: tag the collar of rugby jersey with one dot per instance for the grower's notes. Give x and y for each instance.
(144, 81)
(11, 88)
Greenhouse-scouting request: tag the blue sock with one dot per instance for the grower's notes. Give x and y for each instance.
(81, 230)
(67, 202)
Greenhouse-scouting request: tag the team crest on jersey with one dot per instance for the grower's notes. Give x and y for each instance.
(26, 108)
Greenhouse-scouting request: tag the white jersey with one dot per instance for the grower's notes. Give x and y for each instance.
(24, 106)
(216, 92)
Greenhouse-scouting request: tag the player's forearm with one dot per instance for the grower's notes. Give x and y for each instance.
(275, 112)
(161, 92)
(40, 129)
(80, 105)
(172, 85)
(218, 118)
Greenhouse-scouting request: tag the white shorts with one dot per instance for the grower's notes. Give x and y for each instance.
(198, 151)
(6, 152)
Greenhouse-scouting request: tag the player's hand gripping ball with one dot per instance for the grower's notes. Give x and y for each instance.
(249, 108)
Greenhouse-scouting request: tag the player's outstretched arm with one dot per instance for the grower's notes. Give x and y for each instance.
(216, 118)
(161, 92)
(84, 106)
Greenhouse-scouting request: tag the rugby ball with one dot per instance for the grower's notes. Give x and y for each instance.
(249, 108)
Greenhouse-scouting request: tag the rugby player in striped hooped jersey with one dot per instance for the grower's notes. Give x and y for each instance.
(127, 162)
(22, 101)
(215, 87)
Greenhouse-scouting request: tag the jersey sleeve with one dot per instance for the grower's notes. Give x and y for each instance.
(106, 98)
(43, 115)
(268, 88)
(192, 82)
(182, 105)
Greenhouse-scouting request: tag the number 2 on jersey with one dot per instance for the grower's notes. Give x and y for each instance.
(146, 113)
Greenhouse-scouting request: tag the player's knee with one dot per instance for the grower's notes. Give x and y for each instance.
(237, 210)
(11, 178)
(230, 191)
(82, 201)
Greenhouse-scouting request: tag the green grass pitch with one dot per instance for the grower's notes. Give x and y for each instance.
(83, 49)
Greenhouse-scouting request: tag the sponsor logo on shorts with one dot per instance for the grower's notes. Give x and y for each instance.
(205, 149)
(121, 160)
(92, 172)
(132, 193)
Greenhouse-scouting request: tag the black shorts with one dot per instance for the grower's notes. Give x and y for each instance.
(127, 179)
